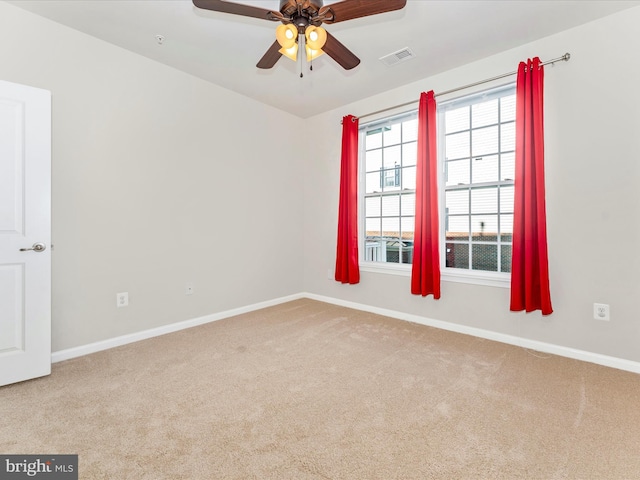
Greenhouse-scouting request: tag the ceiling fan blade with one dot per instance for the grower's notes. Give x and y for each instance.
(270, 58)
(350, 9)
(238, 9)
(340, 53)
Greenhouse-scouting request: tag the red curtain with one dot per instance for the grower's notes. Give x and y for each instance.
(425, 271)
(529, 265)
(347, 268)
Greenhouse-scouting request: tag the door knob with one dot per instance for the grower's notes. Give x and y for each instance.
(36, 247)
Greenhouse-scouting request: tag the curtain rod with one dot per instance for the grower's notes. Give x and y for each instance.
(563, 58)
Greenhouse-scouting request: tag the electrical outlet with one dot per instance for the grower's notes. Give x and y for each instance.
(188, 290)
(601, 311)
(122, 299)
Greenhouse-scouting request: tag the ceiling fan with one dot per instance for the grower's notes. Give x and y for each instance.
(301, 24)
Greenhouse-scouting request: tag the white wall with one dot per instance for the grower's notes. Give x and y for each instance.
(593, 207)
(159, 179)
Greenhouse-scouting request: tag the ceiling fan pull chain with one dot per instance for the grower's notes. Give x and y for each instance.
(301, 49)
(301, 67)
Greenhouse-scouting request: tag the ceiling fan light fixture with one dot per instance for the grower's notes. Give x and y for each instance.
(287, 35)
(291, 52)
(316, 37)
(313, 54)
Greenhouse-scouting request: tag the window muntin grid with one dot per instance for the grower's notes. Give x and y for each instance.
(389, 150)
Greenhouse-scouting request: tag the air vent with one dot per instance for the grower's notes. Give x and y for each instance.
(397, 57)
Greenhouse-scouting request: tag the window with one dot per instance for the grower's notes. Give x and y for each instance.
(476, 150)
(477, 141)
(390, 177)
(389, 151)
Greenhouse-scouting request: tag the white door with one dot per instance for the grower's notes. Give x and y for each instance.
(25, 223)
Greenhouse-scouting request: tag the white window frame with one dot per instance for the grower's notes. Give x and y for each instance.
(478, 277)
(380, 267)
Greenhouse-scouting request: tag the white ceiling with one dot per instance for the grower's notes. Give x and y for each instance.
(224, 48)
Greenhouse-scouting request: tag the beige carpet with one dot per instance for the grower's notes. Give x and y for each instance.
(307, 390)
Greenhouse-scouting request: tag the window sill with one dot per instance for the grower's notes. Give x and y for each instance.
(403, 270)
(488, 279)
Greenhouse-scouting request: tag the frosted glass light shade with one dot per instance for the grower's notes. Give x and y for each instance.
(291, 52)
(316, 37)
(313, 54)
(287, 35)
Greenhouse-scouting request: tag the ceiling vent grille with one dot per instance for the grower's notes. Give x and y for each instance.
(396, 57)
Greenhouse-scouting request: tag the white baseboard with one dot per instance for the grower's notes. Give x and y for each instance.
(562, 351)
(69, 353)
(568, 352)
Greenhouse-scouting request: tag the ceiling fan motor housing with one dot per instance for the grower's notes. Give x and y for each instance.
(291, 7)
(302, 13)
(301, 22)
